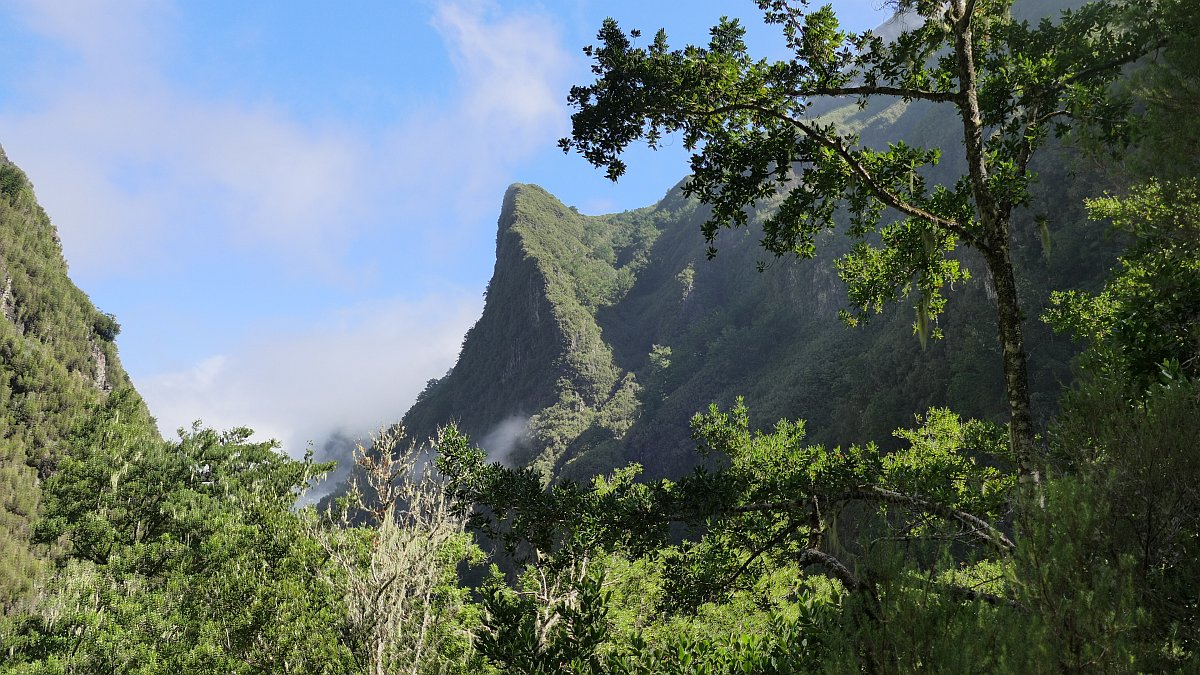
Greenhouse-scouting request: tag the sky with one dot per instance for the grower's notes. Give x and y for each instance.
(291, 206)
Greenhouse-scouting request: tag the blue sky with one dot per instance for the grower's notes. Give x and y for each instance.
(291, 206)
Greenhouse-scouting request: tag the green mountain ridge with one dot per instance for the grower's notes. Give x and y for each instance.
(602, 335)
(58, 362)
(545, 350)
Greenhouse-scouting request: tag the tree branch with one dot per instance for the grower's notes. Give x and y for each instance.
(759, 507)
(1122, 60)
(755, 554)
(969, 10)
(882, 193)
(978, 527)
(880, 90)
(1026, 153)
(812, 556)
(973, 594)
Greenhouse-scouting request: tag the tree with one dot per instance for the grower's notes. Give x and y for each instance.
(1113, 561)
(755, 143)
(1145, 322)
(779, 505)
(177, 557)
(397, 575)
(1169, 88)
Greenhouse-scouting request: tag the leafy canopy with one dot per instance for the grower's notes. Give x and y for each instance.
(756, 142)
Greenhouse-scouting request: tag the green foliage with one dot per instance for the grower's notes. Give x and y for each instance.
(190, 556)
(745, 120)
(106, 327)
(781, 500)
(1111, 562)
(57, 362)
(771, 518)
(178, 557)
(1168, 134)
(755, 142)
(528, 631)
(1144, 323)
(554, 524)
(1110, 566)
(12, 180)
(789, 643)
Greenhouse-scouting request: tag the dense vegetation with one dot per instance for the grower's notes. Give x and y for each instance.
(539, 348)
(943, 546)
(57, 361)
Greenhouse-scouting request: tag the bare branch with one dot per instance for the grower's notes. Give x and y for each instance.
(390, 591)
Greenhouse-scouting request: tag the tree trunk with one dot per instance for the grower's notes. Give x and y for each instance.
(994, 244)
(1016, 377)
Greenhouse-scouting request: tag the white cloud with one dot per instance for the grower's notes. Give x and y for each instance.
(510, 67)
(353, 370)
(135, 168)
(512, 72)
(127, 163)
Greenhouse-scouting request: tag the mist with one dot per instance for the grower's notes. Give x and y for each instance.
(510, 434)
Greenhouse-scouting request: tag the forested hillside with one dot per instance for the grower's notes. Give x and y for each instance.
(57, 364)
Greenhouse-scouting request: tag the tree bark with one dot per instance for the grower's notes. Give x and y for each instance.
(996, 249)
(1016, 377)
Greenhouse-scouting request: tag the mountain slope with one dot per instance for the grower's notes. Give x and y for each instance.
(645, 331)
(617, 378)
(538, 348)
(57, 363)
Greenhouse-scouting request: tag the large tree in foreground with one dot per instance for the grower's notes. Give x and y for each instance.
(755, 142)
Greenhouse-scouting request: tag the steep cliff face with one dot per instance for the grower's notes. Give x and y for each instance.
(536, 366)
(514, 354)
(57, 363)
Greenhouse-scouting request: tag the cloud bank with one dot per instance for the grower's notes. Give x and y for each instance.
(135, 168)
(353, 371)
